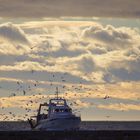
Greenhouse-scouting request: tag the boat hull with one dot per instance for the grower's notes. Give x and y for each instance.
(72, 123)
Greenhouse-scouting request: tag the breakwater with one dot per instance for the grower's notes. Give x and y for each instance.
(70, 135)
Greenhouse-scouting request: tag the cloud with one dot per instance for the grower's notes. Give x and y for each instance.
(120, 56)
(13, 40)
(86, 63)
(13, 50)
(74, 53)
(21, 101)
(120, 107)
(81, 104)
(124, 67)
(108, 35)
(57, 8)
(59, 79)
(13, 33)
(97, 50)
(79, 50)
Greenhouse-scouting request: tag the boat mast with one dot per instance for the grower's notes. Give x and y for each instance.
(57, 92)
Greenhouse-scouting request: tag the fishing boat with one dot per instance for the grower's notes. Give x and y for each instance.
(59, 116)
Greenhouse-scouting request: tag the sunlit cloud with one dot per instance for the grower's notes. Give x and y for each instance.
(120, 107)
(13, 33)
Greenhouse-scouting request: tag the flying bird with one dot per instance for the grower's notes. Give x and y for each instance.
(106, 97)
(24, 92)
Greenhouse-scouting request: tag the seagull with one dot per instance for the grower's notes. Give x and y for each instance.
(24, 92)
(106, 97)
(18, 83)
(32, 71)
(13, 94)
(32, 47)
(64, 86)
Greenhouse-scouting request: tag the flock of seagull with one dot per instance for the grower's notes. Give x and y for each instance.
(28, 111)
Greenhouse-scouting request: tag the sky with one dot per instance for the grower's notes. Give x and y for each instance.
(57, 8)
(89, 49)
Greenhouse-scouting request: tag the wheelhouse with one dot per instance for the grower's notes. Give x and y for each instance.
(58, 106)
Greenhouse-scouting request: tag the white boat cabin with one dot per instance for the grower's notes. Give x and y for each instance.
(58, 106)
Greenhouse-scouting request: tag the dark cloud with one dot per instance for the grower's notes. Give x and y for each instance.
(125, 75)
(44, 76)
(56, 8)
(124, 70)
(62, 50)
(87, 64)
(98, 50)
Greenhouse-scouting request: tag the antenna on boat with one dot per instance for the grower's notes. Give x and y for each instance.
(57, 92)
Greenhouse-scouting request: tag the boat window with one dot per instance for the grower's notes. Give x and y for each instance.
(56, 110)
(61, 110)
(57, 102)
(44, 110)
